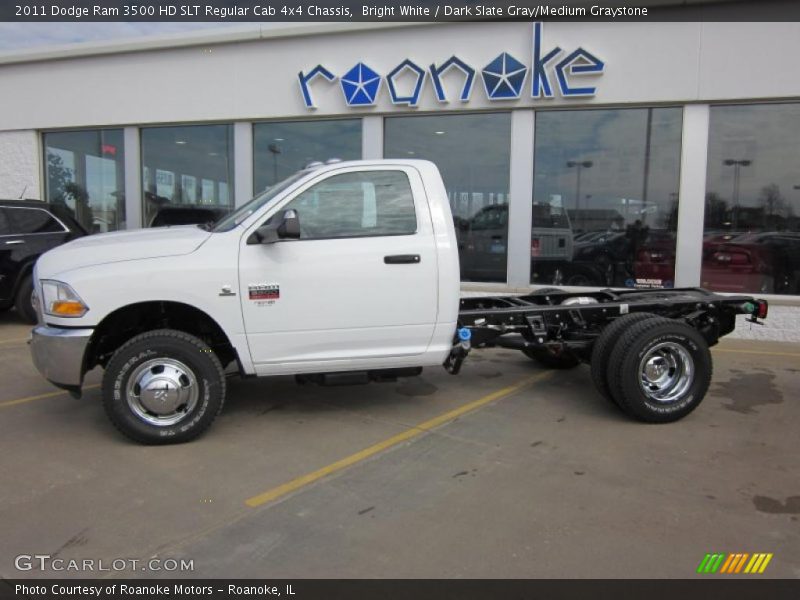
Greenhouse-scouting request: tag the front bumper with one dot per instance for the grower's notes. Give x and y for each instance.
(58, 354)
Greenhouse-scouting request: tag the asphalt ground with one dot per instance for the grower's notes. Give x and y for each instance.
(506, 470)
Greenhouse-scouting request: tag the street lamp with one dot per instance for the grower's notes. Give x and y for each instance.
(737, 165)
(579, 165)
(275, 150)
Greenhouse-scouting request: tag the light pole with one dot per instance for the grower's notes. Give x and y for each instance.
(737, 165)
(579, 165)
(275, 150)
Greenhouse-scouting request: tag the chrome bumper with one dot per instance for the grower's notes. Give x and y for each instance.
(58, 354)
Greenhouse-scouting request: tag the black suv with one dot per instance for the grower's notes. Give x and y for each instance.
(28, 229)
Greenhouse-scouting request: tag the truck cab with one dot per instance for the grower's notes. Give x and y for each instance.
(351, 266)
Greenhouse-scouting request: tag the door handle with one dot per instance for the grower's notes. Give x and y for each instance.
(402, 259)
(13, 242)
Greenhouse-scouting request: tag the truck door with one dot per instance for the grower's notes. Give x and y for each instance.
(360, 285)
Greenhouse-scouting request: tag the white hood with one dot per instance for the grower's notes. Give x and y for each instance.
(121, 246)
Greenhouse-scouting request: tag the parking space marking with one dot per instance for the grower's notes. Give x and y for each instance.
(7, 403)
(761, 352)
(417, 430)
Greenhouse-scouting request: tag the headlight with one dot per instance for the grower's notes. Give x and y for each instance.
(60, 300)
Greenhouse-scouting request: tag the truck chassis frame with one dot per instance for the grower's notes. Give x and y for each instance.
(648, 349)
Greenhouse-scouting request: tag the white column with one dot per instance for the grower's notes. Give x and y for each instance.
(521, 194)
(372, 137)
(133, 178)
(242, 162)
(692, 194)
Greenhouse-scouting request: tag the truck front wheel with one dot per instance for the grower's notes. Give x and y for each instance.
(659, 370)
(163, 387)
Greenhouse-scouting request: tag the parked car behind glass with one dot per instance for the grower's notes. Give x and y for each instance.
(29, 228)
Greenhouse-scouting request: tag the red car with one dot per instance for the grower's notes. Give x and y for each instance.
(764, 262)
(767, 262)
(654, 264)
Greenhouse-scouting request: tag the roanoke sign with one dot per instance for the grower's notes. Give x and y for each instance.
(503, 77)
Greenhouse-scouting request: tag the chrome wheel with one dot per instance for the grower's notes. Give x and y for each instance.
(162, 391)
(666, 372)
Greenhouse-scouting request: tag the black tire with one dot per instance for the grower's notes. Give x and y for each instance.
(551, 360)
(185, 362)
(672, 345)
(24, 301)
(604, 345)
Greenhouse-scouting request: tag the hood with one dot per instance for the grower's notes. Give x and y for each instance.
(121, 246)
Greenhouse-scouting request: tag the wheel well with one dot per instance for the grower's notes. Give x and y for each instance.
(129, 321)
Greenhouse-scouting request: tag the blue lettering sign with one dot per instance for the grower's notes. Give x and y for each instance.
(437, 72)
(305, 79)
(503, 78)
(405, 67)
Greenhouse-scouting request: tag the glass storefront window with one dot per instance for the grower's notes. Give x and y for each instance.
(752, 227)
(473, 153)
(605, 197)
(189, 166)
(283, 148)
(84, 170)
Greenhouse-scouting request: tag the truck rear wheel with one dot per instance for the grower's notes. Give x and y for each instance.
(604, 345)
(659, 370)
(163, 387)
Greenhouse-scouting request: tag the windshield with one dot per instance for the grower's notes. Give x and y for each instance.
(239, 215)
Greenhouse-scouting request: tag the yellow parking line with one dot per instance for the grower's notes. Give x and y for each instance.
(763, 353)
(309, 478)
(8, 403)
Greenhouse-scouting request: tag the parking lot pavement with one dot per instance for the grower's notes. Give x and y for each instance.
(514, 472)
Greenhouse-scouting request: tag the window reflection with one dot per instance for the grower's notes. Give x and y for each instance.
(365, 204)
(752, 230)
(283, 148)
(84, 171)
(473, 156)
(605, 201)
(187, 173)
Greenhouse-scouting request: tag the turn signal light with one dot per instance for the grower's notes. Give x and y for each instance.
(67, 308)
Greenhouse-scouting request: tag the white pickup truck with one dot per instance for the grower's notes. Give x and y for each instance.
(342, 273)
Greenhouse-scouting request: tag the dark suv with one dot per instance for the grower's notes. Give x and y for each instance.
(28, 229)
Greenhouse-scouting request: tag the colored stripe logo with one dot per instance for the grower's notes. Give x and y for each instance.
(735, 563)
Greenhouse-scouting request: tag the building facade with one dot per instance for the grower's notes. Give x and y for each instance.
(574, 153)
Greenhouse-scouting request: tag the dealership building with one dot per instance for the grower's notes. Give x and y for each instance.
(590, 153)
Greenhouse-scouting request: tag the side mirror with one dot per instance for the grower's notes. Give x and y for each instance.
(285, 226)
(289, 227)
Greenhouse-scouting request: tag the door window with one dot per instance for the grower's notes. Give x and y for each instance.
(365, 204)
(34, 220)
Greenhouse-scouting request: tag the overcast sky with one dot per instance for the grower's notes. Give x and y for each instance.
(22, 36)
